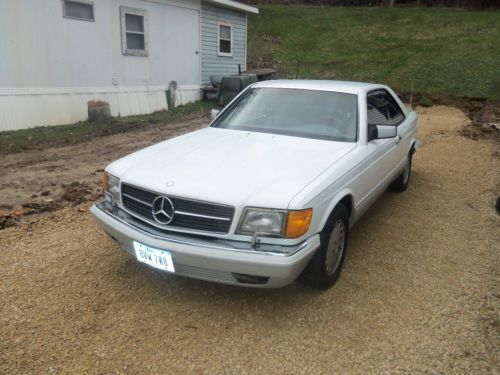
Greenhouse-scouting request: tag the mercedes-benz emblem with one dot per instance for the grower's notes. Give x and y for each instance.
(163, 210)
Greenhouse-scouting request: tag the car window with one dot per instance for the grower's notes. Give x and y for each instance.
(304, 113)
(383, 109)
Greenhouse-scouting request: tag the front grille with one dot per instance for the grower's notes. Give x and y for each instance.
(189, 214)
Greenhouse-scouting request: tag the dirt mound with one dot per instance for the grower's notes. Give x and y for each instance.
(484, 114)
(11, 217)
(38, 181)
(73, 194)
(485, 122)
(79, 192)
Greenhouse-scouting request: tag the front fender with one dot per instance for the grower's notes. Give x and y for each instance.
(337, 197)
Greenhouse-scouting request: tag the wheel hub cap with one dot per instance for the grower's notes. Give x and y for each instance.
(335, 247)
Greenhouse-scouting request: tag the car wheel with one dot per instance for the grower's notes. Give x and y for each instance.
(403, 179)
(323, 270)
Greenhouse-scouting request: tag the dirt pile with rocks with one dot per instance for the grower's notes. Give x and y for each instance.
(38, 181)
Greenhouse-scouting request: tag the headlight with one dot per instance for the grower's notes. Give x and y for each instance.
(111, 187)
(262, 221)
(272, 222)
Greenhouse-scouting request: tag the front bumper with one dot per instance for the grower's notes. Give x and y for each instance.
(227, 262)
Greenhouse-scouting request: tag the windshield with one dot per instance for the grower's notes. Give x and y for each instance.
(296, 112)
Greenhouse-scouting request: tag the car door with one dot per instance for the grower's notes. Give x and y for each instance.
(407, 128)
(383, 156)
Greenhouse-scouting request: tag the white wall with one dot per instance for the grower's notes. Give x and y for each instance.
(62, 63)
(25, 108)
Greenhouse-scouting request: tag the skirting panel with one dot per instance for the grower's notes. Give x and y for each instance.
(27, 108)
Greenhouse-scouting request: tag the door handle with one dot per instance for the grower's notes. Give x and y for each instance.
(398, 139)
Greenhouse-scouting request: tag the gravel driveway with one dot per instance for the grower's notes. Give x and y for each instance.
(419, 292)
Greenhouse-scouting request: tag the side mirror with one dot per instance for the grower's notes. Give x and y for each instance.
(214, 113)
(381, 132)
(372, 132)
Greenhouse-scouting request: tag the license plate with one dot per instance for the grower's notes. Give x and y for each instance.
(156, 258)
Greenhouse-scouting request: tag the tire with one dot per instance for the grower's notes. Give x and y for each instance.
(323, 270)
(401, 183)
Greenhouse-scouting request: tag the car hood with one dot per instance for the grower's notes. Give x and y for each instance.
(232, 167)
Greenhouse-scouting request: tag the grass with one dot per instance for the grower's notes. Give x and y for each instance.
(46, 136)
(442, 51)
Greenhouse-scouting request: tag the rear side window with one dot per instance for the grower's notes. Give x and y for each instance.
(383, 109)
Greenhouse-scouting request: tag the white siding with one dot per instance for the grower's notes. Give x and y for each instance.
(41, 48)
(60, 63)
(211, 62)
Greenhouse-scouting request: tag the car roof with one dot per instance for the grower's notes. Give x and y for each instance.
(325, 85)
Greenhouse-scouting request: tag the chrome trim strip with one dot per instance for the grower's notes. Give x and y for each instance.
(202, 216)
(137, 200)
(170, 227)
(190, 243)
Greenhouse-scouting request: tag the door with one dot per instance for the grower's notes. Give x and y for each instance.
(179, 46)
(383, 155)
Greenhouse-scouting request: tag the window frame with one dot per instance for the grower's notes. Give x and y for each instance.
(86, 2)
(224, 54)
(123, 24)
(393, 102)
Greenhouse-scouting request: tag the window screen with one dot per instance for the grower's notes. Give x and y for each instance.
(78, 10)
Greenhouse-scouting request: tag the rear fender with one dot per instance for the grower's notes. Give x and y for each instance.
(415, 145)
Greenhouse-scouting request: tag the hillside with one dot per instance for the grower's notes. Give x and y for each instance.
(442, 51)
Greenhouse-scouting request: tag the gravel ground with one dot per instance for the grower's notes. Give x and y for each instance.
(419, 292)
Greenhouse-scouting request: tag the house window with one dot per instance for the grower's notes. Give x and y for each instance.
(134, 32)
(225, 39)
(78, 10)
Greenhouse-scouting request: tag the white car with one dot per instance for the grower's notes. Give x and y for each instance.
(269, 191)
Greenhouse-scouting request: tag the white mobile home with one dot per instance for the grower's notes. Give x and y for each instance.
(56, 55)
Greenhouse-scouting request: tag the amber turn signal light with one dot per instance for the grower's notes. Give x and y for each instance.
(298, 222)
(104, 179)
